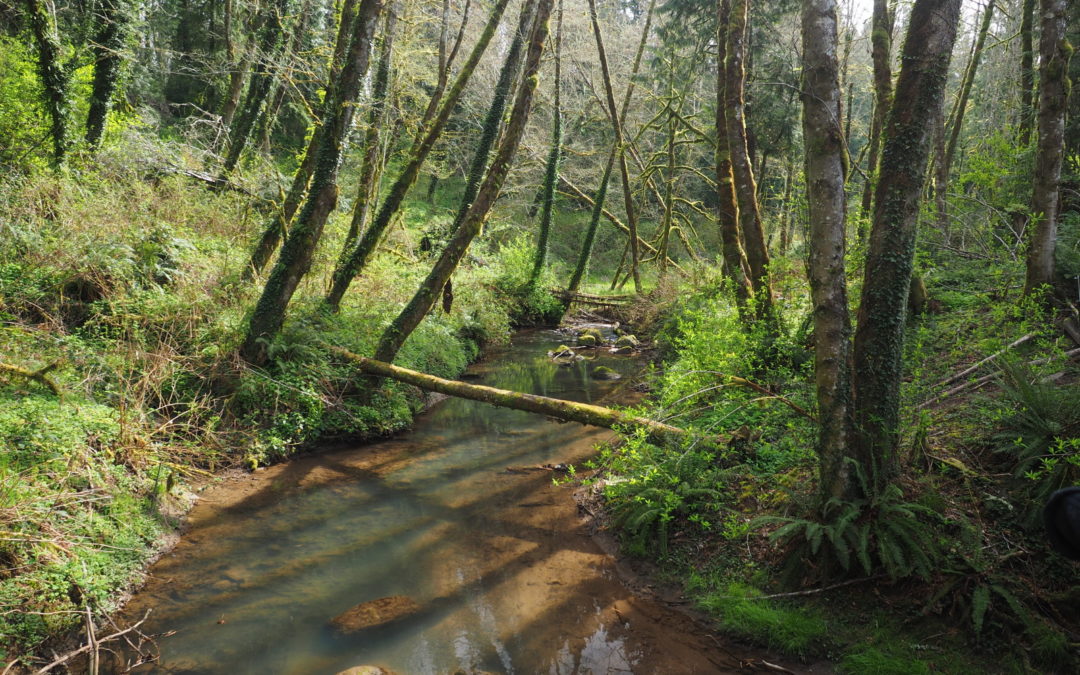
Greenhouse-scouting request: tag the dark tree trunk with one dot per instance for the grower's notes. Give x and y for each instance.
(551, 171)
(107, 45)
(594, 222)
(1027, 71)
(54, 80)
(735, 265)
(825, 174)
(1054, 52)
(298, 250)
(400, 329)
(881, 54)
(879, 337)
(347, 270)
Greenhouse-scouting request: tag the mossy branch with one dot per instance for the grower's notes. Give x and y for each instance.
(40, 375)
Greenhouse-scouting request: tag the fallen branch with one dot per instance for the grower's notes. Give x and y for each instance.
(92, 645)
(971, 369)
(570, 411)
(762, 390)
(975, 384)
(40, 375)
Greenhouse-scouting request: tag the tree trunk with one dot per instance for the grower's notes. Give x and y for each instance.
(616, 123)
(785, 218)
(370, 166)
(1054, 52)
(270, 41)
(753, 236)
(825, 175)
(956, 119)
(1027, 71)
(399, 330)
(54, 80)
(881, 53)
(735, 265)
(281, 84)
(594, 221)
(551, 171)
(296, 255)
(571, 411)
(879, 337)
(425, 141)
(107, 45)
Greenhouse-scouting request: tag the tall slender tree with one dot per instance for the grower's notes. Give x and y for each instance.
(354, 262)
(551, 170)
(1027, 71)
(879, 337)
(111, 18)
(54, 81)
(399, 330)
(881, 30)
(299, 249)
(1054, 53)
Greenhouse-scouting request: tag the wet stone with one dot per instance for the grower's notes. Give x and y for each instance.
(374, 613)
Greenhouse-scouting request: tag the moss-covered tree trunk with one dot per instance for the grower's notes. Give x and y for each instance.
(753, 235)
(881, 54)
(727, 211)
(1027, 72)
(1054, 53)
(551, 170)
(271, 34)
(399, 330)
(279, 221)
(354, 262)
(54, 80)
(371, 164)
(297, 252)
(108, 44)
(582, 266)
(825, 174)
(237, 66)
(879, 338)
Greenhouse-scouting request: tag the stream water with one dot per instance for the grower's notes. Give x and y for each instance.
(458, 515)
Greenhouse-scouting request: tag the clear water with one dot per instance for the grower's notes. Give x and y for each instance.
(434, 515)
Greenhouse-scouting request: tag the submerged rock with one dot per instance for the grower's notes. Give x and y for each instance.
(605, 373)
(366, 670)
(628, 341)
(374, 613)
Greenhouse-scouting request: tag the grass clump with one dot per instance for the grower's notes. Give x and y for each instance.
(742, 612)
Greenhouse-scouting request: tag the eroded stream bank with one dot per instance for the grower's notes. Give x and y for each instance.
(456, 515)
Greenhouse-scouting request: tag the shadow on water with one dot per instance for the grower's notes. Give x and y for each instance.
(505, 579)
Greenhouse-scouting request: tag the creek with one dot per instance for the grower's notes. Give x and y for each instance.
(460, 515)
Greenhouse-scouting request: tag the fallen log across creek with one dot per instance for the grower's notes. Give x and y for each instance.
(570, 411)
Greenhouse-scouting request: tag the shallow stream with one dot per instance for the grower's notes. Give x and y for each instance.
(458, 515)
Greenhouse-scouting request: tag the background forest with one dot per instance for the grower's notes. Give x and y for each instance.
(851, 231)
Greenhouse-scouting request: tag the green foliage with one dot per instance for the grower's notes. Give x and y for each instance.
(530, 301)
(742, 612)
(1042, 435)
(874, 661)
(22, 126)
(879, 531)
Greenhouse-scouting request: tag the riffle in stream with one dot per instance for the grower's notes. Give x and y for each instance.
(456, 515)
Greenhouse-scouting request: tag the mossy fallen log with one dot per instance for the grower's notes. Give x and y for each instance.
(570, 411)
(40, 375)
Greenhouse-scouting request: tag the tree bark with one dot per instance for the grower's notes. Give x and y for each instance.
(825, 176)
(735, 265)
(297, 253)
(1054, 52)
(594, 222)
(370, 166)
(551, 171)
(54, 80)
(881, 53)
(753, 236)
(571, 411)
(399, 330)
(879, 337)
(112, 19)
(1027, 71)
(347, 270)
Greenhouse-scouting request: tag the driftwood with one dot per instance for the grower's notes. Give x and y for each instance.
(40, 375)
(976, 383)
(570, 411)
(971, 369)
(596, 300)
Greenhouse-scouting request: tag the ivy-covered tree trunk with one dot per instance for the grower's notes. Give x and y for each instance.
(399, 330)
(825, 174)
(108, 43)
(616, 123)
(54, 80)
(351, 264)
(237, 66)
(879, 338)
(297, 252)
(753, 235)
(367, 181)
(594, 222)
(727, 210)
(1054, 53)
(279, 221)
(1027, 71)
(881, 54)
(270, 41)
(551, 170)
